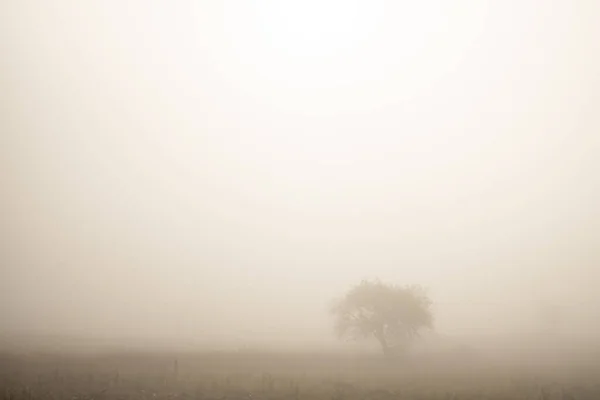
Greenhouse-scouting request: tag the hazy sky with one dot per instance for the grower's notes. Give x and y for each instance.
(222, 168)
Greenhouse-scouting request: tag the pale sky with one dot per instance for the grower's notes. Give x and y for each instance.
(218, 168)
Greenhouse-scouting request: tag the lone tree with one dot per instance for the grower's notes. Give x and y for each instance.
(392, 314)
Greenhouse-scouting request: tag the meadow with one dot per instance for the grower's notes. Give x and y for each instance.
(293, 376)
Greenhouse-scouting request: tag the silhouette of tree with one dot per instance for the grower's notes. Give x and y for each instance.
(392, 314)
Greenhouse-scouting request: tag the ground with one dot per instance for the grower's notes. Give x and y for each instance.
(294, 376)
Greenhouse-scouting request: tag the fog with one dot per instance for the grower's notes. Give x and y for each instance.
(207, 172)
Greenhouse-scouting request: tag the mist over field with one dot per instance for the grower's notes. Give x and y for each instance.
(209, 175)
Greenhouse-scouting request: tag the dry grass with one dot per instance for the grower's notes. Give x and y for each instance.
(288, 376)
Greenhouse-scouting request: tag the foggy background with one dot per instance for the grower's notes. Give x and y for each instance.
(217, 172)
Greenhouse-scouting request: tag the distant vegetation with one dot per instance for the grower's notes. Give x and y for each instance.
(394, 315)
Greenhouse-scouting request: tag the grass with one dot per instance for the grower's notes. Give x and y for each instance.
(271, 376)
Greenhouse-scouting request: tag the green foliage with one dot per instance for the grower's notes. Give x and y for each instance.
(392, 314)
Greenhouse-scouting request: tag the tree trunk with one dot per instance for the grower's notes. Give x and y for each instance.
(384, 344)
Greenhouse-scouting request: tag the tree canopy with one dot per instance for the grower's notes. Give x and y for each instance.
(392, 314)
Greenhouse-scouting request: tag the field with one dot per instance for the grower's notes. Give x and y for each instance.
(272, 376)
